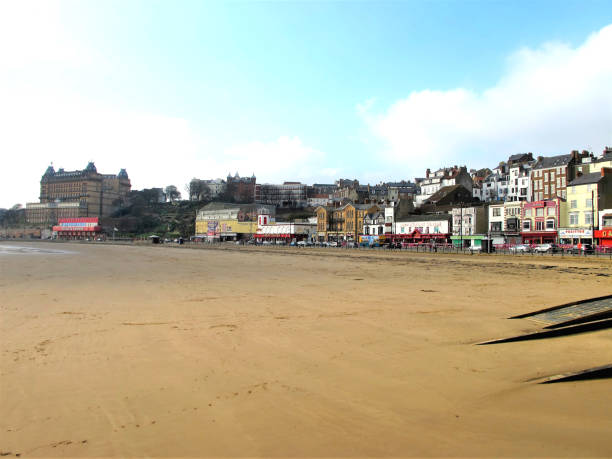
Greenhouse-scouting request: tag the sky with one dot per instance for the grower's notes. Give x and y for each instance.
(296, 91)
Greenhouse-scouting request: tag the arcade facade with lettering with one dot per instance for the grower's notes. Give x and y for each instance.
(77, 228)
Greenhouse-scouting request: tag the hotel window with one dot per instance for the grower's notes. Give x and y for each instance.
(540, 212)
(550, 224)
(539, 226)
(563, 194)
(573, 204)
(552, 188)
(588, 188)
(550, 211)
(545, 189)
(496, 211)
(588, 218)
(526, 225)
(573, 218)
(589, 203)
(527, 212)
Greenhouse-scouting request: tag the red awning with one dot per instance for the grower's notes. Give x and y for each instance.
(272, 236)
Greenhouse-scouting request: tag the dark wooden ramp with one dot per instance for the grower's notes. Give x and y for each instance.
(603, 372)
(575, 312)
(562, 331)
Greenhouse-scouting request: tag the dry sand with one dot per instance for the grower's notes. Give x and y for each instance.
(154, 351)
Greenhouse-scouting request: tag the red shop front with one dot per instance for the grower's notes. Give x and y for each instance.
(604, 236)
(417, 237)
(539, 237)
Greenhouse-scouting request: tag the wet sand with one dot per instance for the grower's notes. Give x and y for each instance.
(154, 351)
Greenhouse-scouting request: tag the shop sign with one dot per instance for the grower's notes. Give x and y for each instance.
(213, 228)
(604, 233)
(575, 232)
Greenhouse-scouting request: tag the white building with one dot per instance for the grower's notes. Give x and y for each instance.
(438, 224)
(519, 183)
(319, 200)
(442, 177)
(389, 220)
(496, 223)
(470, 224)
(287, 231)
(374, 224)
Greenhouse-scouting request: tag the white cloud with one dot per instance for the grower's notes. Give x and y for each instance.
(32, 32)
(550, 101)
(44, 120)
(156, 150)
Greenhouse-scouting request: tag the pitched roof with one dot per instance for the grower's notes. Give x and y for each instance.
(585, 179)
(516, 157)
(443, 192)
(553, 161)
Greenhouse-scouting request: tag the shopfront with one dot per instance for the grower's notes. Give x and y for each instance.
(539, 237)
(78, 228)
(417, 237)
(604, 237)
(575, 235)
(467, 241)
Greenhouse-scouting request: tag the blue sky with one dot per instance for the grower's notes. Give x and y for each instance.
(306, 91)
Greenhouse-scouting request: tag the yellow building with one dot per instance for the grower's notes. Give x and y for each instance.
(225, 221)
(585, 196)
(342, 223)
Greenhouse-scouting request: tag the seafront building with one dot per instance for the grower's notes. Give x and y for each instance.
(441, 178)
(540, 220)
(79, 193)
(218, 222)
(586, 195)
(424, 228)
(470, 226)
(344, 223)
(288, 194)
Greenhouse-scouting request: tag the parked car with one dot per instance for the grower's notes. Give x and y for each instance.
(475, 248)
(520, 248)
(583, 248)
(332, 244)
(547, 248)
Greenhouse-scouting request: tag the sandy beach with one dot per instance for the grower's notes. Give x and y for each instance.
(156, 351)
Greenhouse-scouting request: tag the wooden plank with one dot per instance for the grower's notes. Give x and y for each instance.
(571, 330)
(602, 372)
(539, 311)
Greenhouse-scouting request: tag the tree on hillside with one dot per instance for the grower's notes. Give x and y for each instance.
(172, 194)
(198, 190)
(15, 216)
